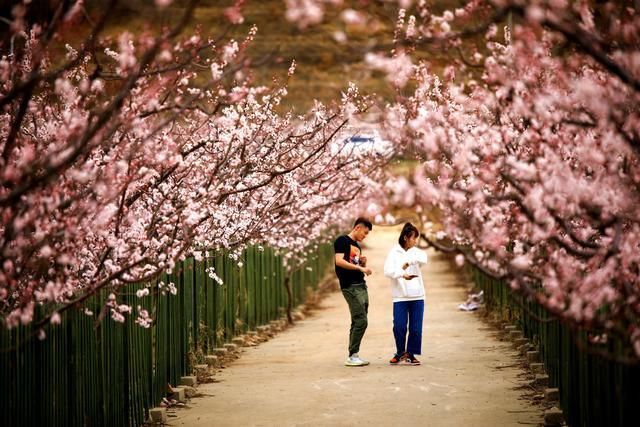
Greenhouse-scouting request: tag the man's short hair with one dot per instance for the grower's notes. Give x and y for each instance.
(364, 222)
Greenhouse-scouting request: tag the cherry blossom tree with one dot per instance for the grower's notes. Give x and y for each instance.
(136, 152)
(528, 146)
(529, 151)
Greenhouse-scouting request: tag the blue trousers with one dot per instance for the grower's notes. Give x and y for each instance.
(408, 313)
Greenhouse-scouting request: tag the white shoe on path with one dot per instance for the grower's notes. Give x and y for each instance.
(354, 360)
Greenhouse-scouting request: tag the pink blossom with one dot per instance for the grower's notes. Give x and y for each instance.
(535, 13)
(163, 3)
(234, 15)
(55, 318)
(399, 68)
(74, 12)
(352, 17)
(229, 51)
(216, 71)
(304, 12)
(117, 316)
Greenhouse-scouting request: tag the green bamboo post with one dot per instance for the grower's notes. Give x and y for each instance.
(278, 287)
(223, 304)
(273, 306)
(251, 298)
(132, 350)
(77, 349)
(234, 309)
(165, 343)
(280, 284)
(177, 331)
(242, 294)
(229, 308)
(211, 289)
(258, 288)
(93, 364)
(200, 302)
(219, 325)
(263, 285)
(188, 305)
(261, 288)
(159, 362)
(233, 298)
(198, 285)
(300, 285)
(186, 315)
(255, 283)
(171, 340)
(143, 378)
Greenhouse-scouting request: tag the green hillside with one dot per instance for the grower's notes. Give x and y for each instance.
(324, 66)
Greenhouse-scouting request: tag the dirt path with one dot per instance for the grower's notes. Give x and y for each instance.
(468, 378)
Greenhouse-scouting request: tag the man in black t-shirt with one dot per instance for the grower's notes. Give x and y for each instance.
(351, 267)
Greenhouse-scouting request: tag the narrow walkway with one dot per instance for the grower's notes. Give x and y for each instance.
(468, 377)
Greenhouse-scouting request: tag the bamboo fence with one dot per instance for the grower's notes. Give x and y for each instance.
(594, 390)
(111, 374)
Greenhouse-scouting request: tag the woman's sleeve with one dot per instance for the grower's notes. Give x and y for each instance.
(392, 267)
(418, 256)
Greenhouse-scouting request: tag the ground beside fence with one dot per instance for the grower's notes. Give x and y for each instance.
(468, 377)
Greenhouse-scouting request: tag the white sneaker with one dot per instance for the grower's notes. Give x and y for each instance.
(354, 360)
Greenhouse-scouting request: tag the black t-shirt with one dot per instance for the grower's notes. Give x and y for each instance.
(351, 250)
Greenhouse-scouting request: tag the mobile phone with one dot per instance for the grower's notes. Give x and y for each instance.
(412, 276)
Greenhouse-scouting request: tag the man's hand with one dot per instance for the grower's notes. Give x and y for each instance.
(363, 261)
(366, 270)
(409, 276)
(405, 265)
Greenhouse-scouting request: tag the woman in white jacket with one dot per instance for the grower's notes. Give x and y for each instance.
(402, 266)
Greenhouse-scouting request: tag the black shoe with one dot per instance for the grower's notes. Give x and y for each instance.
(411, 360)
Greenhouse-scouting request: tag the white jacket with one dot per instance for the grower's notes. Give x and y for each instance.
(405, 290)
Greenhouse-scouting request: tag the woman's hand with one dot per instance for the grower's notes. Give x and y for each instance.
(409, 276)
(405, 265)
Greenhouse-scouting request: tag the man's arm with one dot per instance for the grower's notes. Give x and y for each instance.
(340, 262)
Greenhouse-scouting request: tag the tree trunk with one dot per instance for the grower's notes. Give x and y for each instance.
(287, 286)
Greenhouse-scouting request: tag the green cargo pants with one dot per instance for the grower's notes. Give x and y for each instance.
(358, 301)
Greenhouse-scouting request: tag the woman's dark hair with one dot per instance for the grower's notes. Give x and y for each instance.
(407, 231)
